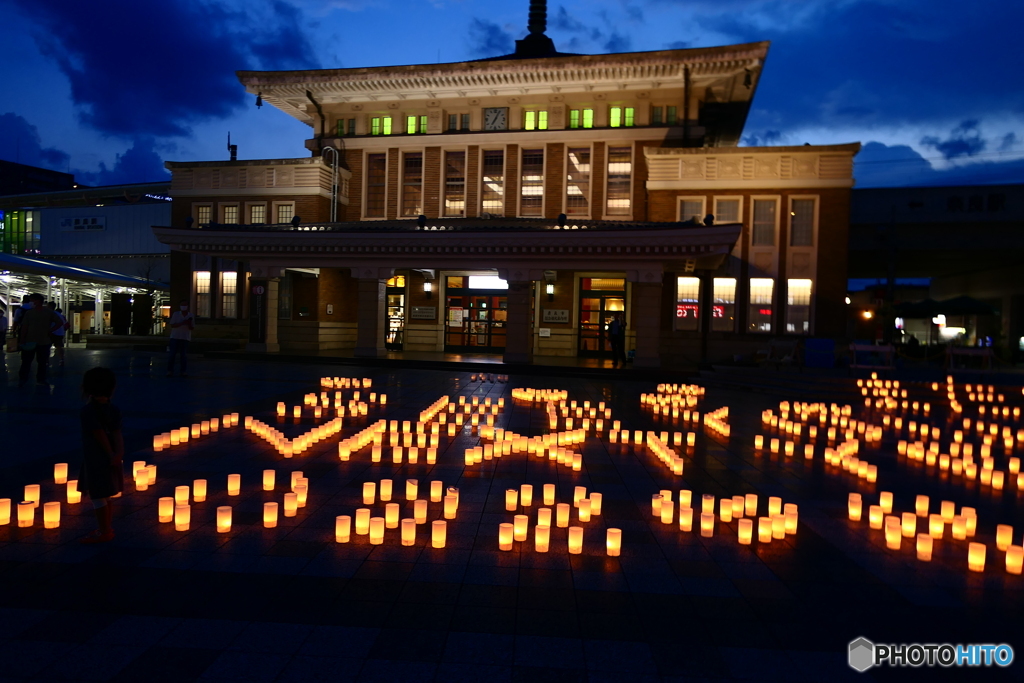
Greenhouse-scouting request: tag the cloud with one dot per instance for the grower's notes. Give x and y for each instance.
(156, 69)
(487, 39)
(617, 42)
(20, 143)
(964, 141)
(762, 139)
(880, 165)
(140, 163)
(1008, 142)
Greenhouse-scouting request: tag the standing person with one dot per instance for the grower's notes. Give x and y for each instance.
(102, 474)
(3, 332)
(182, 323)
(617, 338)
(58, 332)
(34, 339)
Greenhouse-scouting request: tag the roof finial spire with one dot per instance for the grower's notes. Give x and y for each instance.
(538, 17)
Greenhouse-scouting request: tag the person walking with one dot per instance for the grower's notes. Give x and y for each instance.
(617, 338)
(34, 339)
(57, 334)
(182, 323)
(102, 473)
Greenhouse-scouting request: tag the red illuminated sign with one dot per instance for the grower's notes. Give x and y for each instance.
(692, 311)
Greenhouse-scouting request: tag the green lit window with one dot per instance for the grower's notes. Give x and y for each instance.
(535, 120)
(375, 126)
(620, 116)
(410, 125)
(670, 115)
(380, 125)
(581, 118)
(574, 118)
(340, 128)
(588, 118)
(656, 116)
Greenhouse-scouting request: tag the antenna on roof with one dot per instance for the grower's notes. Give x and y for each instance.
(233, 149)
(538, 22)
(536, 43)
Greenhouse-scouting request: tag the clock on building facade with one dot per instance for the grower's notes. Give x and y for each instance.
(496, 118)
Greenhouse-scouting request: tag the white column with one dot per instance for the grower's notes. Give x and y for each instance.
(97, 315)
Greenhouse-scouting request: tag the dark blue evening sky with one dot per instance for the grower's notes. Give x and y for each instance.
(111, 89)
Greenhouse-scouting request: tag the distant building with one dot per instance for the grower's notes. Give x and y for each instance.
(513, 206)
(22, 179)
(968, 240)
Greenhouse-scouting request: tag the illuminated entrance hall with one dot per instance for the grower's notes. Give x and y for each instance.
(746, 548)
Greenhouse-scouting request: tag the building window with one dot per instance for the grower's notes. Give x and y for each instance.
(687, 303)
(581, 118)
(257, 214)
(376, 183)
(229, 294)
(761, 291)
(202, 293)
(380, 125)
(692, 209)
(535, 120)
(577, 185)
(455, 184)
(415, 125)
(801, 223)
(620, 173)
(727, 210)
(346, 127)
(412, 184)
(204, 214)
(620, 117)
(531, 202)
(763, 233)
(798, 306)
(723, 309)
(493, 190)
(663, 115)
(230, 213)
(285, 213)
(458, 121)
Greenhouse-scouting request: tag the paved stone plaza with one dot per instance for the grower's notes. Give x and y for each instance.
(291, 603)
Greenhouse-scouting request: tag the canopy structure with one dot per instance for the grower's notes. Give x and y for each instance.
(24, 265)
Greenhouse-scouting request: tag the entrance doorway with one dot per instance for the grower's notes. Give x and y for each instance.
(475, 318)
(394, 338)
(600, 299)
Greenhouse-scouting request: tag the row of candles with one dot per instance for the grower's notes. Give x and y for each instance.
(32, 500)
(540, 395)
(962, 527)
(717, 421)
(346, 382)
(780, 521)
(289, 447)
(518, 530)
(197, 430)
(178, 508)
(366, 524)
(586, 508)
(485, 377)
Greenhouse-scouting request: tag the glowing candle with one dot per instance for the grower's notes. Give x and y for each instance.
(181, 495)
(924, 547)
(526, 495)
(223, 519)
(5, 511)
(1004, 536)
(386, 489)
(976, 557)
(750, 504)
(707, 524)
(409, 531)
(764, 530)
(936, 526)
(362, 521)
(613, 542)
(562, 515)
(725, 509)
(960, 528)
(199, 490)
(60, 473)
(774, 506)
(544, 516)
(74, 495)
(26, 513)
(234, 484)
(596, 502)
(909, 524)
(1014, 559)
(885, 500)
(584, 511)
(182, 516)
(369, 492)
(419, 511)
(391, 514)
(579, 493)
(707, 504)
(451, 504)
(656, 501)
(269, 477)
(291, 504)
(685, 519)
(438, 533)
(758, 442)
(998, 478)
(342, 528)
(412, 489)
(549, 494)
(778, 526)
(575, 540)
(377, 530)
(511, 499)
(297, 412)
(505, 533)
(542, 537)
(972, 519)
(893, 532)
(51, 514)
(921, 506)
(746, 531)
(32, 493)
(855, 506)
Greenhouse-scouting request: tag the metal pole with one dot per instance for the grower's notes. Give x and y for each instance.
(334, 180)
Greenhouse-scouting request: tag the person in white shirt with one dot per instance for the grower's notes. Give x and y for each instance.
(182, 323)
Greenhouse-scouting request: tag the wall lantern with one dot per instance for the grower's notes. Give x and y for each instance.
(549, 289)
(428, 288)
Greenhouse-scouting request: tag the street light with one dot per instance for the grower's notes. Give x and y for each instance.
(334, 180)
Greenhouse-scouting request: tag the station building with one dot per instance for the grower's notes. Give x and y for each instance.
(512, 206)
